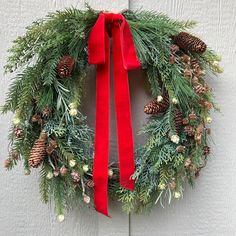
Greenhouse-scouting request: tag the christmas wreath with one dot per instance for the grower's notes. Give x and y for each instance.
(49, 130)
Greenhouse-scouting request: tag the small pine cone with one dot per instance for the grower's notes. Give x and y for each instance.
(38, 151)
(180, 149)
(36, 118)
(65, 66)
(172, 59)
(187, 162)
(56, 172)
(18, 132)
(199, 89)
(49, 149)
(63, 171)
(197, 173)
(7, 163)
(198, 138)
(185, 121)
(154, 107)
(188, 73)
(206, 150)
(208, 105)
(178, 118)
(174, 48)
(189, 130)
(189, 42)
(199, 72)
(75, 177)
(208, 131)
(14, 155)
(172, 184)
(195, 65)
(53, 143)
(192, 116)
(185, 59)
(89, 183)
(195, 80)
(46, 111)
(199, 129)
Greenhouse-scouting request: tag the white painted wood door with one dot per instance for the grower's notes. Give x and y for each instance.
(209, 209)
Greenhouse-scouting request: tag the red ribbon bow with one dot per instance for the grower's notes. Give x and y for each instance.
(125, 58)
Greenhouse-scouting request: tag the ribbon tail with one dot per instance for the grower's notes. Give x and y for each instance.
(100, 170)
(123, 114)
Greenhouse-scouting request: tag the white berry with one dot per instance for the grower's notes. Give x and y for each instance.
(73, 112)
(175, 100)
(49, 175)
(61, 218)
(72, 163)
(85, 168)
(159, 98)
(208, 119)
(174, 138)
(177, 195)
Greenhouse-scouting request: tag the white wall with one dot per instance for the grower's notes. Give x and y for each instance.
(209, 209)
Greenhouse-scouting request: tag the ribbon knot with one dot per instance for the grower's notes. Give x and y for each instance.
(125, 58)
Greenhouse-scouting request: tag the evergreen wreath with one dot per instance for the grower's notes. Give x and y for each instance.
(49, 131)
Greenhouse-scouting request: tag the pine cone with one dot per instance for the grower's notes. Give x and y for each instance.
(195, 80)
(75, 177)
(192, 116)
(189, 42)
(195, 65)
(36, 118)
(63, 171)
(199, 89)
(46, 111)
(38, 151)
(189, 130)
(185, 121)
(8, 163)
(208, 131)
(18, 132)
(51, 147)
(187, 162)
(89, 183)
(174, 48)
(206, 104)
(206, 150)
(198, 138)
(180, 149)
(188, 73)
(198, 134)
(178, 118)
(65, 66)
(154, 107)
(185, 59)
(14, 155)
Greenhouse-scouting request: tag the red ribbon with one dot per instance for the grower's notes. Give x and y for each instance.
(125, 58)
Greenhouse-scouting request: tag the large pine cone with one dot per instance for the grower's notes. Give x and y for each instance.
(65, 66)
(189, 42)
(38, 151)
(154, 107)
(178, 118)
